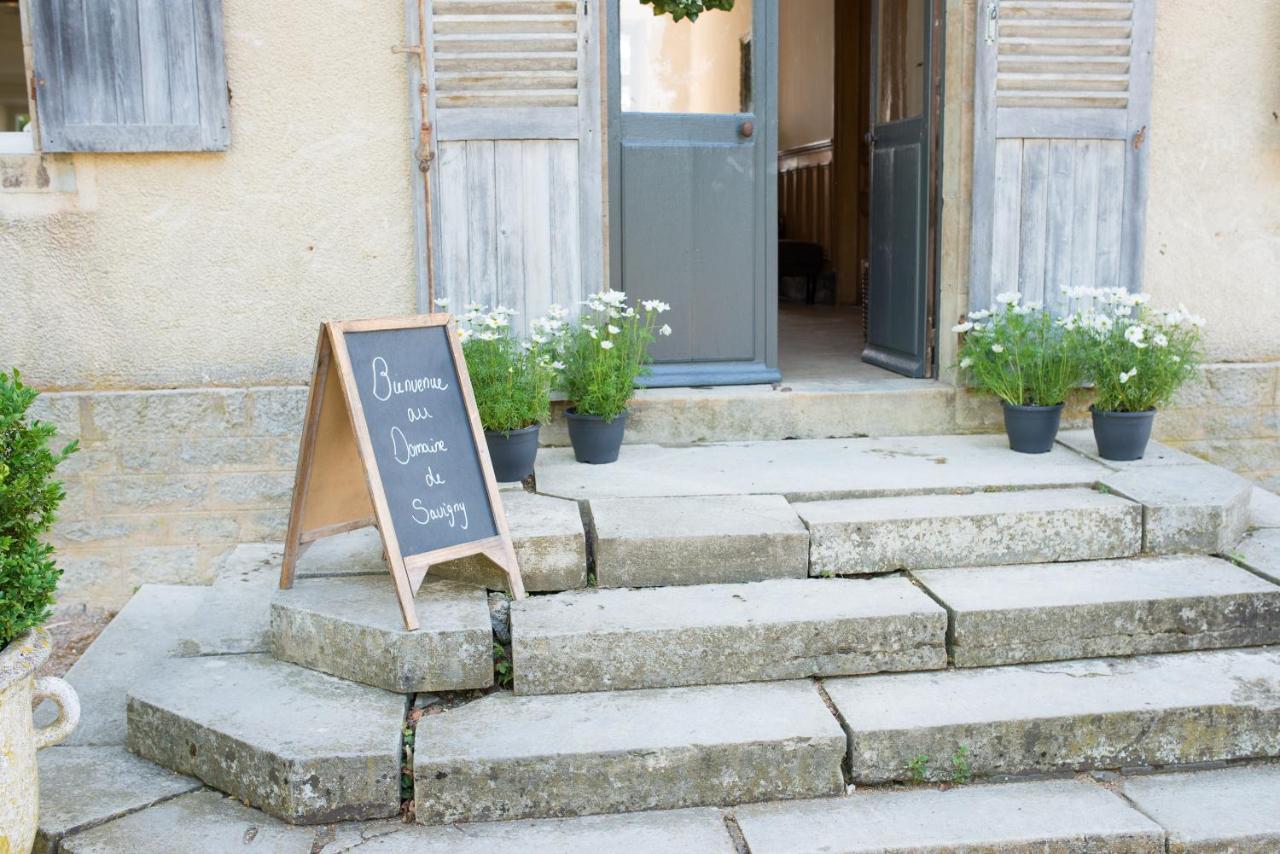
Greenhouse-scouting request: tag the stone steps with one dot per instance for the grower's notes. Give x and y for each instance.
(300, 745)
(1107, 713)
(1029, 613)
(351, 627)
(510, 757)
(1061, 816)
(603, 640)
(876, 535)
(652, 542)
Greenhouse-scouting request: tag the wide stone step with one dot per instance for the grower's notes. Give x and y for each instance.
(1011, 817)
(508, 757)
(1230, 809)
(651, 542)
(1107, 713)
(1047, 612)
(351, 627)
(300, 745)
(718, 633)
(875, 535)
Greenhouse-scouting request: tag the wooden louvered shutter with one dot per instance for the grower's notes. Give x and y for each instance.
(130, 75)
(518, 182)
(1061, 133)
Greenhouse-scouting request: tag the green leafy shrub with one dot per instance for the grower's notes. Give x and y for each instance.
(29, 500)
(511, 379)
(607, 351)
(1137, 357)
(1020, 354)
(691, 9)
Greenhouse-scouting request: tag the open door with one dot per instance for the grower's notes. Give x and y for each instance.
(692, 193)
(901, 129)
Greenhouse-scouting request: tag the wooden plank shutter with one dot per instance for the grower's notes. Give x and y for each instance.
(1061, 133)
(518, 179)
(130, 75)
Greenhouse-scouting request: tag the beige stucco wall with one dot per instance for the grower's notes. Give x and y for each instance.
(199, 269)
(1213, 212)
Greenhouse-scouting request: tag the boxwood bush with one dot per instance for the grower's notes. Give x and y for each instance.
(29, 499)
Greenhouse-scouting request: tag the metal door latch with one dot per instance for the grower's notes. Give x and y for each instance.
(993, 20)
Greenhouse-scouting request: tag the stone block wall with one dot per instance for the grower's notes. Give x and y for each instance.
(1230, 418)
(168, 481)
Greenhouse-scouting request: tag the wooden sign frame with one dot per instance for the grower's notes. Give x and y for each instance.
(336, 447)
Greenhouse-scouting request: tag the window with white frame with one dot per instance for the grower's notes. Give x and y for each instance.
(16, 126)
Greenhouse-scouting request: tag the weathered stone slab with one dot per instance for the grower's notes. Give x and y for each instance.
(651, 542)
(1260, 551)
(352, 628)
(1082, 442)
(692, 831)
(816, 468)
(136, 642)
(1231, 809)
(661, 637)
(509, 757)
(85, 786)
(1187, 508)
(1011, 818)
(870, 535)
(235, 616)
(1264, 509)
(1107, 713)
(1047, 612)
(208, 821)
(303, 746)
(550, 543)
(357, 552)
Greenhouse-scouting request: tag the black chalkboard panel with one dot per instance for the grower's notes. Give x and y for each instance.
(421, 436)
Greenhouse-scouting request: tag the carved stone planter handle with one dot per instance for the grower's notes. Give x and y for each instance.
(64, 697)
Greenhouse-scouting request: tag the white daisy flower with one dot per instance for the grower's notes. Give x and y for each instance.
(606, 345)
(665, 330)
(963, 327)
(997, 348)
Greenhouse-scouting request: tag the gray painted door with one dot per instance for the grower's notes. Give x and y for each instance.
(692, 192)
(901, 75)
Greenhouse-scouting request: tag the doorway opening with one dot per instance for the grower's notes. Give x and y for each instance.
(854, 190)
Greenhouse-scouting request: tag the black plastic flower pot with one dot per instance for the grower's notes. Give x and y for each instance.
(512, 454)
(594, 439)
(1032, 429)
(1122, 436)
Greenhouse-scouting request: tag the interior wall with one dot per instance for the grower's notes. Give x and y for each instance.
(851, 27)
(806, 72)
(13, 77)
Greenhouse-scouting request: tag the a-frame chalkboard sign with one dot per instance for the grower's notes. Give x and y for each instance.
(392, 438)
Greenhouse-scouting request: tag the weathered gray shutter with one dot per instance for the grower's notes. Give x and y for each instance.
(1061, 133)
(130, 75)
(517, 183)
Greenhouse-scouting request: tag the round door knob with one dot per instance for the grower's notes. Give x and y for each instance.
(746, 129)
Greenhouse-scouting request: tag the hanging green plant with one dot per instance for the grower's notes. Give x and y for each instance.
(691, 9)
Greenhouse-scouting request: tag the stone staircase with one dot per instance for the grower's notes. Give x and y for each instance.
(755, 626)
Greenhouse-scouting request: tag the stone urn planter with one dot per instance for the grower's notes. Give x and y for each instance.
(512, 454)
(19, 739)
(594, 439)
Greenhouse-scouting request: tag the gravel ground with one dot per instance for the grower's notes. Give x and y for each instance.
(73, 630)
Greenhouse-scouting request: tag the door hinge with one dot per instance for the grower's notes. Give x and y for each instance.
(993, 20)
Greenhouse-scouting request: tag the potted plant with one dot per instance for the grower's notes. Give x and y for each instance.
(1137, 359)
(603, 355)
(1021, 355)
(511, 380)
(29, 499)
